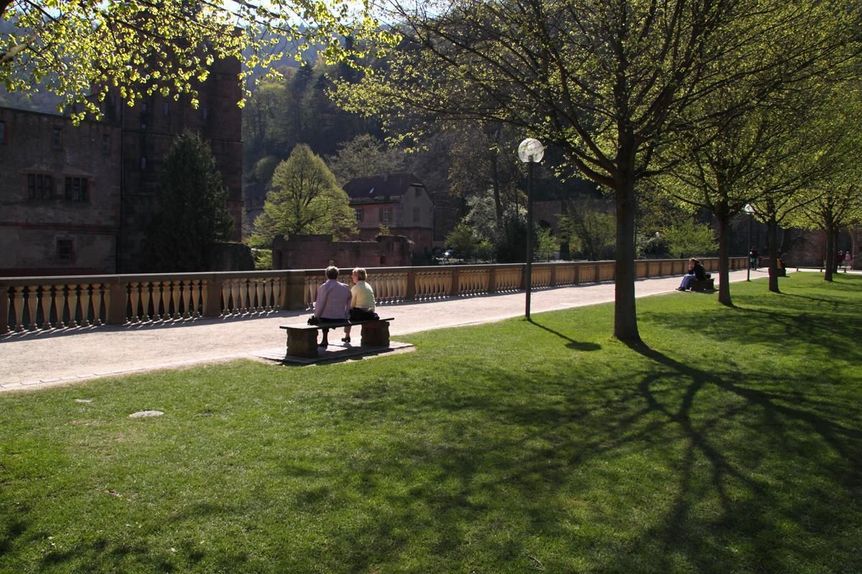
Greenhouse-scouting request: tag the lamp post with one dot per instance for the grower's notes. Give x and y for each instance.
(750, 212)
(530, 151)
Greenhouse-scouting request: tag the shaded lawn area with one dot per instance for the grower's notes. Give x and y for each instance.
(730, 443)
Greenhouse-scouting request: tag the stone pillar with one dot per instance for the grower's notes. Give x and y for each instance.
(294, 291)
(4, 308)
(411, 285)
(213, 308)
(456, 280)
(117, 303)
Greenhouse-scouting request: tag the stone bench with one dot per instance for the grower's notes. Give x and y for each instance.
(302, 338)
(705, 284)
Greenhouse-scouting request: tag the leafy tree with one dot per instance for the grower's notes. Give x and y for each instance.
(833, 208)
(463, 241)
(546, 244)
(192, 208)
(88, 47)
(689, 238)
(607, 84)
(304, 198)
(590, 230)
(365, 156)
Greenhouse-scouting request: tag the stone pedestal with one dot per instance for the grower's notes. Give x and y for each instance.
(375, 334)
(302, 342)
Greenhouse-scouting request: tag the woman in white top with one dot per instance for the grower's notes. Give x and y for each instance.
(361, 300)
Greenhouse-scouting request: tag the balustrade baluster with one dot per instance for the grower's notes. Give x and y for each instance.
(163, 298)
(276, 293)
(150, 291)
(134, 298)
(266, 286)
(18, 307)
(192, 300)
(228, 300)
(184, 311)
(100, 290)
(195, 288)
(86, 302)
(175, 299)
(45, 305)
(72, 299)
(31, 306)
(239, 289)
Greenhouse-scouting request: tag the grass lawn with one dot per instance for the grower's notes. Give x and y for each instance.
(732, 442)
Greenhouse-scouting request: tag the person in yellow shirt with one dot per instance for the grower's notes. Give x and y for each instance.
(361, 300)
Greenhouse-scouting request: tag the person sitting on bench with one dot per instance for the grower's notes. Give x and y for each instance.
(695, 272)
(332, 302)
(361, 301)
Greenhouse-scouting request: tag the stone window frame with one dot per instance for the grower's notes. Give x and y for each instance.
(57, 137)
(40, 186)
(64, 249)
(386, 215)
(79, 193)
(360, 214)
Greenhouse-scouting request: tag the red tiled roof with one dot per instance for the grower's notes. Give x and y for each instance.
(381, 186)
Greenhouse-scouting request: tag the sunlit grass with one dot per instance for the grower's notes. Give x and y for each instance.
(730, 442)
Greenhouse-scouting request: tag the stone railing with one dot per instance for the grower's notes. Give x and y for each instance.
(52, 303)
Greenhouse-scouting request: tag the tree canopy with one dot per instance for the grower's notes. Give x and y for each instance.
(608, 84)
(192, 213)
(304, 198)
(81, 50)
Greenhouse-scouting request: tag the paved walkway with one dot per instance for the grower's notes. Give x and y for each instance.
(42, 359)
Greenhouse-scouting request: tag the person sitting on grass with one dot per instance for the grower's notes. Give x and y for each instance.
(332, 302)
(361, 301)
(695, 272)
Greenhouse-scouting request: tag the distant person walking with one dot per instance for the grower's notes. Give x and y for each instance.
(362, 303)
(848, 261)
(332, 302)
(752, 259)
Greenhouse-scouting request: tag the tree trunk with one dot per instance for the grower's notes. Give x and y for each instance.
(625, 311)
(723, 258)
(829, 264)
(495, 185)
(772, 246)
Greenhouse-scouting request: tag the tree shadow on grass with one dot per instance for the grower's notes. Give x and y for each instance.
(750, 516)
(797, 324)
(538, 470)
(572, 344)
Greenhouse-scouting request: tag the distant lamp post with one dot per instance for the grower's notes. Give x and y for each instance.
(750, 212)
(530, 151)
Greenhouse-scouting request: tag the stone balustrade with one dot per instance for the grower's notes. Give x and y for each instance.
(54, 303)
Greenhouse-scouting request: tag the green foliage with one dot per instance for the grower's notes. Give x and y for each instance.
(463, 241)
(546, 245)
(262, 258)
(192, 208)
(365, 156)
(514, 447)
(304, 199)
(82, 50)
(610, 85)
(590, 231)
(512, 239)
(690, 239)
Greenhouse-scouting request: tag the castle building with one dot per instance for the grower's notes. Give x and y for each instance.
(398, 202)
(80, 199)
